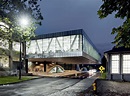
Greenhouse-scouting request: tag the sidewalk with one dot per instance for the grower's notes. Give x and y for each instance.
(77, 89)
(85, 83)
(88, 86)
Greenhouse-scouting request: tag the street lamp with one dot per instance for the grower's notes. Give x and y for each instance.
(23, 22)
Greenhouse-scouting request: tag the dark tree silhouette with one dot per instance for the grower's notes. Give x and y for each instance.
(121, 9)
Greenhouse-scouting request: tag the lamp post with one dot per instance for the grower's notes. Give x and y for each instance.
(23, 24)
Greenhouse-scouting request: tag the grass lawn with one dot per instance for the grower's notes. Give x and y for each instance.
(12, 79)
(103, 75)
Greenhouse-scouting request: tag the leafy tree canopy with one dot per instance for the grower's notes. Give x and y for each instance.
(121, 9)
(11, 11)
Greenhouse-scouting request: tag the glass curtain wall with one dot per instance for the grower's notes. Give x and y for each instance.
(88, 49)
(64, 46)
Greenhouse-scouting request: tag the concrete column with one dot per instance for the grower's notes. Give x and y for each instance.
(45, 66)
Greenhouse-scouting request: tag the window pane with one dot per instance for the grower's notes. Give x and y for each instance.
(126, 57)
(39, 46)
(115, 63)
(66, 43)
(52, 45)
(126, 63)
(32, 47)
(45, 44)
(115, 57)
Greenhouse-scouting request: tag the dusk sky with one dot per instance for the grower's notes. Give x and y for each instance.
(64, 15)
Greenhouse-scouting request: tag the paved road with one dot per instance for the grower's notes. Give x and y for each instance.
(47, 87)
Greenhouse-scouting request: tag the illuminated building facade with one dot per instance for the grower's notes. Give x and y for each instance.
(118, 64)
(68, 47)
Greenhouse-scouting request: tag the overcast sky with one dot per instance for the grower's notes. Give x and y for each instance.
(63, 15)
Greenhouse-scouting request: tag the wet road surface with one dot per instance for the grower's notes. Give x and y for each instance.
(46, 87)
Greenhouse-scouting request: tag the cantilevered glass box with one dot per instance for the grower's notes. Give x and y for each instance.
(72, 47)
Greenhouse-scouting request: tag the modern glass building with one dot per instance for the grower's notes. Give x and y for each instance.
(68, 47)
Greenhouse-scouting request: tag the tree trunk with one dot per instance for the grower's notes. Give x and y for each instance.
(10, 56)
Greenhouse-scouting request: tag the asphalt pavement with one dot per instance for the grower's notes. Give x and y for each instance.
(47, 87)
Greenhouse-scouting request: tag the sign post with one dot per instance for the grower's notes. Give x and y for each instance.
(101, 68)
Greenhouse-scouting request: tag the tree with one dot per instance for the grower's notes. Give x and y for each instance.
(121, 9)
(11, 11)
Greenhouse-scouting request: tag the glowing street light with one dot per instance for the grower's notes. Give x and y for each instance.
(23, 22)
